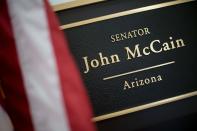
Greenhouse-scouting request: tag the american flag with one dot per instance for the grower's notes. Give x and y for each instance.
(42, 89)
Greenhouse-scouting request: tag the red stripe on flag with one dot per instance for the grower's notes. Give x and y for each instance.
(77, 104)
(15, 102)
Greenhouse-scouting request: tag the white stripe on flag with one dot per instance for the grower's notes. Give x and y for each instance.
(5, 123)
(38, 65)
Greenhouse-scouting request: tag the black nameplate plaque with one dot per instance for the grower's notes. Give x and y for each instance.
(138, 59)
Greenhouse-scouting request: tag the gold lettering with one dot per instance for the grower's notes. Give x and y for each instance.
(146, 31)
(172, 43)
(133, 54)
(86, 64)
(140, 32)
(126, 85)
(94, 63)
(113, 39)
(152, 46)
(130, 34)
(104, 60)
(118, 37)
(101, 61)
(180, 43)
(123, 36)
(166, 46)
(115, 58)
(144, 51)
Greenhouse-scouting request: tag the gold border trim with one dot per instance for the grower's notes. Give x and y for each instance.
(145, 106)
(123, 13)
(73, 4)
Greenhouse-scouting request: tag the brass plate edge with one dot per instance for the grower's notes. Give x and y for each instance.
(123, 13)
(145, 106)
(73, 4)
